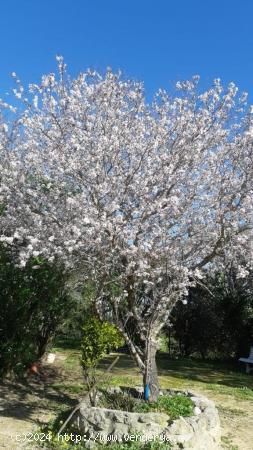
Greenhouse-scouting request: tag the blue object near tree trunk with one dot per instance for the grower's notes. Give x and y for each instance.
(146, 392)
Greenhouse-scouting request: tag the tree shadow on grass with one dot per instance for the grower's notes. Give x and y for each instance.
(210, 372)
(29, 399)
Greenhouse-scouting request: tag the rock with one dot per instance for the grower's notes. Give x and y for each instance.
(90, 444)
(50, 358)
(199, 432)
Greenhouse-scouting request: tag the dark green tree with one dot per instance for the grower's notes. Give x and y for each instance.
(33, 303)
(218, 318)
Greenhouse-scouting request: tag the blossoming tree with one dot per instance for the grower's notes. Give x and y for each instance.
(137, 197)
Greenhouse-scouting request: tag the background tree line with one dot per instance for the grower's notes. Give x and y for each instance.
(217, 321)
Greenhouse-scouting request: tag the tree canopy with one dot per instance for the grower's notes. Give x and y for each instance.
(137, 196)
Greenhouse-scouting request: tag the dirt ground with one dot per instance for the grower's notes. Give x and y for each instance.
(27, 405)
(236, 418)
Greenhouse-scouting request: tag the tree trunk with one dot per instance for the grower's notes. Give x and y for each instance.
(150, 376)
(42, 342)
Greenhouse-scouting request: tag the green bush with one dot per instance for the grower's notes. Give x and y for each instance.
(99, 338)
(33, 303)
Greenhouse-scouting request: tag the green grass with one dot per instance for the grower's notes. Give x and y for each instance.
(208, 372)
(226, 383)
(228, 444)
(68, 388)
(73, 360)
(242, 393)
(66, 343)
(220, 378)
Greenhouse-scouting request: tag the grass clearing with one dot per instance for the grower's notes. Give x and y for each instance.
(224, 383)
(68, 388)
(243, 393)
(62, 386)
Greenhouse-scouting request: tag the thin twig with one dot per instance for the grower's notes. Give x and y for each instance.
(88, 393)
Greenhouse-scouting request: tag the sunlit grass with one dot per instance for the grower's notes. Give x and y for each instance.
(242, 393)
(68, 388)
(184, 374)
(225, 383)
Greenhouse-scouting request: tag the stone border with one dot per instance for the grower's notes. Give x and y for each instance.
(198, 432)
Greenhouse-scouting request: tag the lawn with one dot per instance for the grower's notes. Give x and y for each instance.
(60, 385)
(224, 378)
(225, 383)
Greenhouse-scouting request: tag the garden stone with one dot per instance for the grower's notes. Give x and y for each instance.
(197, 411)
(198, 432)
(90, 445)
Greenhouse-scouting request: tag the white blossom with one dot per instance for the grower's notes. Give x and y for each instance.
(146, 195)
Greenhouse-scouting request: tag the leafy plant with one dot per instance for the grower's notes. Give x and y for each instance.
(217, 321)
(99, 339)
(174, 406)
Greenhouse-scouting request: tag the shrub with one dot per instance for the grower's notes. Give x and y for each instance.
(33, 303)
(99, 338)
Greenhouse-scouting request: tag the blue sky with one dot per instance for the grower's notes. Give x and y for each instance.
(155, 41)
